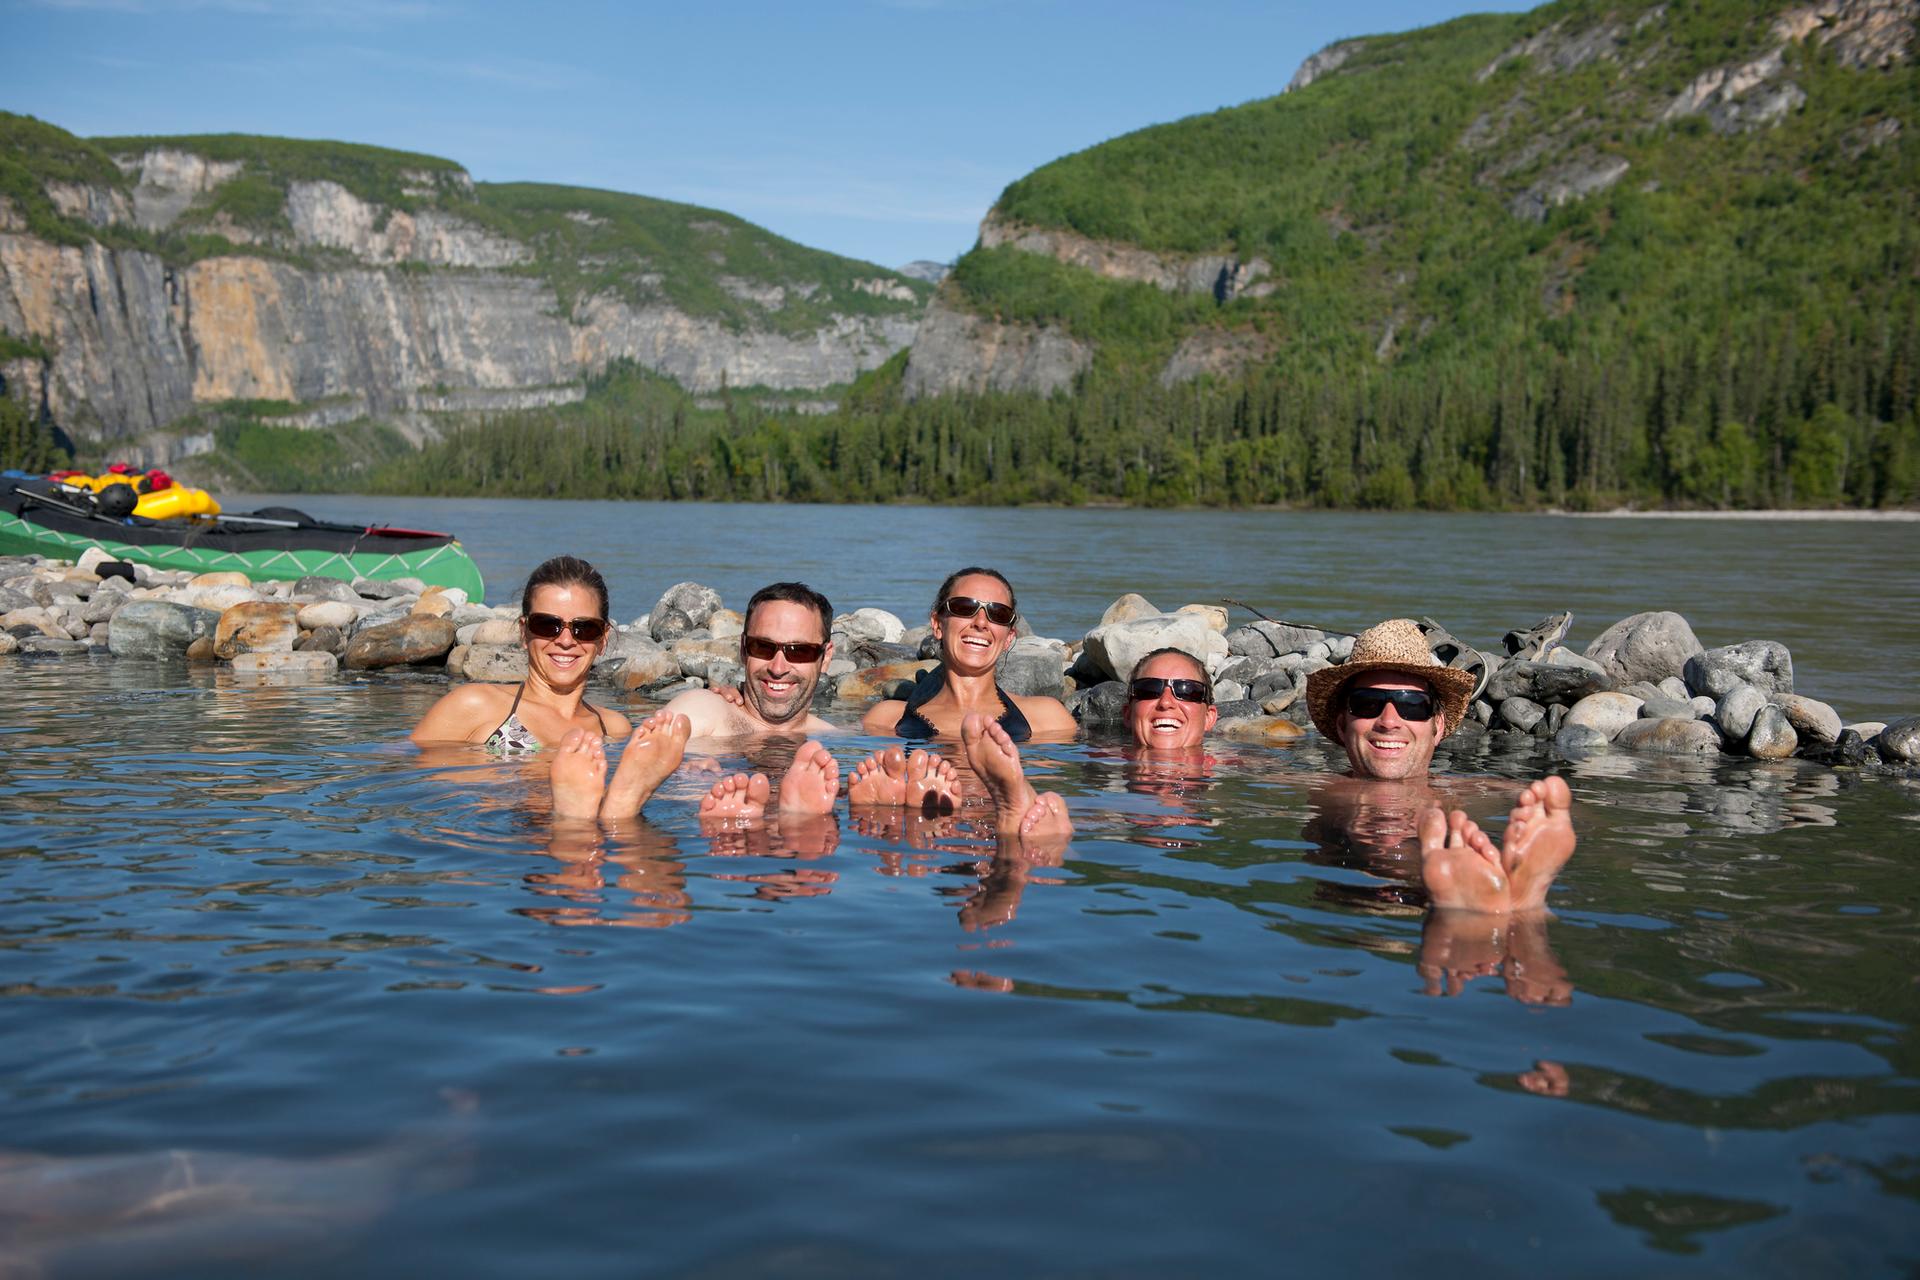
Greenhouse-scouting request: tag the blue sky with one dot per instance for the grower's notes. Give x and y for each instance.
(880, 129)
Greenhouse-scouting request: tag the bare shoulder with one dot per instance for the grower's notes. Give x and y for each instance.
(881, 717)
(619, 728)
(1046, 715)
(709, 714)
(464, 714)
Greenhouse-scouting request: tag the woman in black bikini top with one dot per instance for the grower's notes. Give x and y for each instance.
(973, 617)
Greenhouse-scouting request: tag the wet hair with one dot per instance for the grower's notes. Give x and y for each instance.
(1198, 665)
(791, 593)
(946, 588)
(565, 571)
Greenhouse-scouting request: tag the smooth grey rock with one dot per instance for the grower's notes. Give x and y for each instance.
(914, 637)
(407, 642)
(1675, 687)
(398, 609)
(1480, 712)
(471, 615)
(1521, 713)
(11, 600)
(695, 656)
(378, 589)
(1244, 670)
(1898, 743)
(1703, 707)
(1274, 684)
(839, 667)
(1546, 683)
(1645, 646)
(495, 664)
(1661, 707)
(507, 631)
(1644, 690)
(1561, 656)
(1340, 648)
(725, 673)
(619, 646)
(869, 624)
(1240, 709)
(1104, 703)
(681, 608)
(1764, 664)
(1112, 650)
(1270, 639)
(1736, 710)
(9, 643)
(52, 646)
(1772, 736)
(647, 672)
(1868, 729)
(1812, 721)
(1034, 668)
(315, 588)
(1670, 737)
(1575, 741)
(726, 624)
(1556, 717)
(1231, 691)
(158, 629)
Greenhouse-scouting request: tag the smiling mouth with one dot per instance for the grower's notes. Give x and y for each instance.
(1166, 724)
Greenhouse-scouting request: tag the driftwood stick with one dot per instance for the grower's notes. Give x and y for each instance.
(1241, 604)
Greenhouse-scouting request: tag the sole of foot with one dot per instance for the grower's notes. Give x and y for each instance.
(812, 783)
(654, 751)
(1459, 864)
(736, 800)
(879, 781)
(1538, 841)
(578, 776)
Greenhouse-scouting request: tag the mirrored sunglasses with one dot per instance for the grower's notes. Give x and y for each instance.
(966, 606)
(548, 627)
(1148, 688)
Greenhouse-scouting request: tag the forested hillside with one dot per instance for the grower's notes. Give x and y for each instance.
(1597, 253)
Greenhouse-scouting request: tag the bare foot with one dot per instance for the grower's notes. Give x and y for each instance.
(997, 760)
(736, 800)
(1459, 864)
(651, 756)
(879, 780)
(1045, 829)
(812, 783)
(932, 786)
(1534, 974)
(578, 775)
(1538, 841)
(1458, 946)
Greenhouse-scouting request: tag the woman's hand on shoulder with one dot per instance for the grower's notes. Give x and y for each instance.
(465, 714)
(882, 717)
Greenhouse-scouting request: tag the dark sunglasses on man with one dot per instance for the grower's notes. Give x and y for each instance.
(546, 626)
(999, 614)
(1368, 704)
(1148, 689)
(799, 652)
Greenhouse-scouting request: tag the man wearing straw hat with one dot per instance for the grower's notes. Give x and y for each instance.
(1388, 706)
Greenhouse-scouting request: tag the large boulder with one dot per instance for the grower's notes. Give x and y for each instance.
(1646, 646)
(315, 588)
(647, 670)
(1033, 667)
(1764, 664)
(1576, 741)
(870, 624)
(683, 607)
(1546, 682)
(159, 629)
(1214, 615)
(495, 663)
(695, 656)
(305, 662)
(1113, 649)
(1771, 737)
(1606, 713)
(499, 631)
(1899, 742)
(1812, 720)
(1670, 737)
(408, 641)
(337, 614)
(1270, 639)
(1735, 713)
(260, 627)
(1103, 704)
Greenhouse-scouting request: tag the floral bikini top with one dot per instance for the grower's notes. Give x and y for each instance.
(513, 738)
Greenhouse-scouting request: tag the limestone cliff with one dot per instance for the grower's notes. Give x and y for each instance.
(193, 279)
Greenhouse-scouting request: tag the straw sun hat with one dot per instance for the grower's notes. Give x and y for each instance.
(1395, 647)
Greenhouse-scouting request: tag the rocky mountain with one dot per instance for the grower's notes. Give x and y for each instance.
(1592, 176)
(144, 279)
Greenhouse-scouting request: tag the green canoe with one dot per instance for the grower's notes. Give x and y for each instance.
(277, 543)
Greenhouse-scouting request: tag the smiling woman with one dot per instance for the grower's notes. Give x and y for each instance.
(973, 618)
(563, 623)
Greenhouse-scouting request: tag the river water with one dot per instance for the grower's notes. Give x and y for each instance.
(278, 991)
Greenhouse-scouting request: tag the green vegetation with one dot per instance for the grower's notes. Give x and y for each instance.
(27, 443)
(375, 174)
(255, 455)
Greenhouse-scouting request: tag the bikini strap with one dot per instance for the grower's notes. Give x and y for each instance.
(1013, 720)
(596, 717)
(911, 723)
(516, 700)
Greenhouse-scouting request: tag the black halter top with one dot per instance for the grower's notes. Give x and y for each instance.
(914, 725)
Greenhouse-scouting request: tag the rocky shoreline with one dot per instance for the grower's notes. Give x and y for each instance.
(1646, 684)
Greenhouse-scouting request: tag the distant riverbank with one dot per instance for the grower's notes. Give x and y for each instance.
(1872, 517)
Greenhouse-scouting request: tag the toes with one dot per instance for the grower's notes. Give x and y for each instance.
(1433, 828)
(576, 740)
(758, 788)
(1456, 828)
(1555, 794)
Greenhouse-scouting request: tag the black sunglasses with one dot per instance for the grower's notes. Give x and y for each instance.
(799, 652)
(547, 627)
(1412, 704)
(1147, 689)
(967, 606)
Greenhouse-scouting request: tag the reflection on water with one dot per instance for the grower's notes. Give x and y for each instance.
(241, 922)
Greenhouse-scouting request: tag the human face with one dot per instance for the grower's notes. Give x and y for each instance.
(778, 690)
(1386, 746)
(1165, 723)
(563, 660)
(974, 644)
